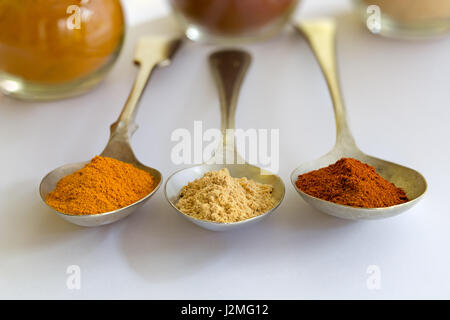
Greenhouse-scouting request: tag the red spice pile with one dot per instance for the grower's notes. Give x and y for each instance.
(353, 183)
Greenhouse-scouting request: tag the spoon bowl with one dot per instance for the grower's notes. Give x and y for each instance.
(411, 181)
(150, 53)
(228, 67)
(320, 35)
(182, 177)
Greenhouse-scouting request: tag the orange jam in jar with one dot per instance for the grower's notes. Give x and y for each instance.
(57, 48)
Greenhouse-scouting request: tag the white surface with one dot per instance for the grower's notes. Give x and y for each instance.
(398, 99)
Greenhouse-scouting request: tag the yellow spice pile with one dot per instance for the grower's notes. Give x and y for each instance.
(103, 185)
(219, 197)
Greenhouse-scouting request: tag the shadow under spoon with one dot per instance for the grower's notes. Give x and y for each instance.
(229, 68)
(320, 35)
(150, 53)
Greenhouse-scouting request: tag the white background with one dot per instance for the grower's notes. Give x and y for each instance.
(398, 99)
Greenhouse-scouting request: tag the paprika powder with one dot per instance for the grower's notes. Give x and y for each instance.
(353, 183)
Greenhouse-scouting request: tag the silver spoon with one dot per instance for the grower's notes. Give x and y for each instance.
(229, 68)
(150, 53)
(321, 36)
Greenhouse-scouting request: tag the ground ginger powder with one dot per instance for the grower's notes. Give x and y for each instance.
(218, 197)
(103, 185)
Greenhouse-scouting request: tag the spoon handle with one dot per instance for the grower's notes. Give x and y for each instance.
(150, 52)
(321, 35)
(229, 68)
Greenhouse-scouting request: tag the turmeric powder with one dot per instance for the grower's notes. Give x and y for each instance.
(103, 185)
(37, 46)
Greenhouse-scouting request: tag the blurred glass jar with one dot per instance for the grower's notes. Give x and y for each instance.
(52, 49)
(408, 18)
(232, 21)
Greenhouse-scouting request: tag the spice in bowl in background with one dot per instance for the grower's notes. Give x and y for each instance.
(218, 197)
(103, 185)
(55, 49)
(352, 183)
(409, 18)
(232, 20)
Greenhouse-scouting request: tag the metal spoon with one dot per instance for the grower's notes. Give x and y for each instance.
(229, 69)
(321, 36)
(150, 53)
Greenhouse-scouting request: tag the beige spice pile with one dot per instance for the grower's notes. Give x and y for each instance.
(219, 197)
